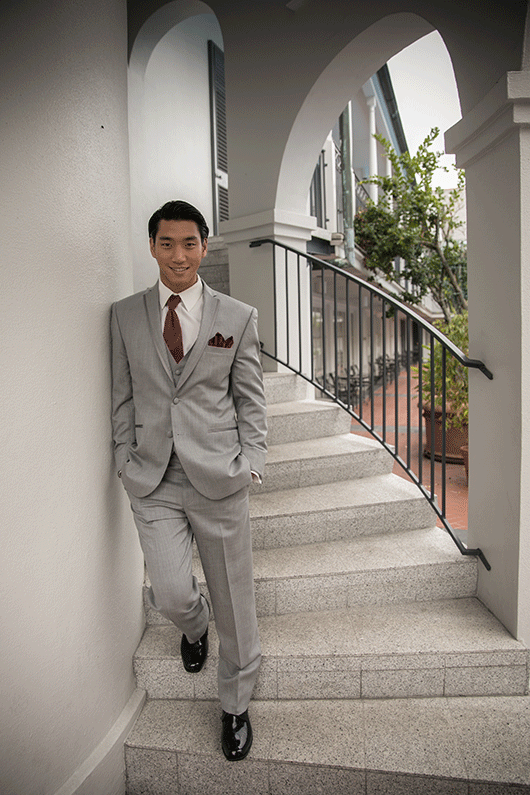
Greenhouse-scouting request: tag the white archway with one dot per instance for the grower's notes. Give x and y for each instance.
(337, 84)
(169, 118)
(493, 144)
(157, 25)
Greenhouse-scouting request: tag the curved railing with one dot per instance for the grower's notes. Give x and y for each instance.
(351, 340)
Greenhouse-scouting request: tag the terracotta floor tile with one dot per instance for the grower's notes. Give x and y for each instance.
(456, 482)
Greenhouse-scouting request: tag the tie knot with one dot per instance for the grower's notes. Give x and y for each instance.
(173, 301)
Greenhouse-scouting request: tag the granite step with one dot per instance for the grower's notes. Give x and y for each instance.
(338, 510)
(413, 565)
(305, 419)
(445, 647)
(433, 746)
(381, 672)
(417, 649)
(285, 387)
(326, 460)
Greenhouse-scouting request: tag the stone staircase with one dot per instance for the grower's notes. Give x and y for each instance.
(381, 672)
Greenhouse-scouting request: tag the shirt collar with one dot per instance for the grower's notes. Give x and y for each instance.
(188, 297)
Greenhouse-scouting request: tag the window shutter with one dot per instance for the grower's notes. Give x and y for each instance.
(216, 61)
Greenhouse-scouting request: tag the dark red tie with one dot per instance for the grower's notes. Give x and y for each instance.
(172, 329)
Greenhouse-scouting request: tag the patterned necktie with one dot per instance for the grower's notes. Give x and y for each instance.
(172, 329)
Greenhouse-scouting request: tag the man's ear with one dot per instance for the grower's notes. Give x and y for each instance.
(204, 247)
(152, 247)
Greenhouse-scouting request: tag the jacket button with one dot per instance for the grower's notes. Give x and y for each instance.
(175, 401)
(170, 434)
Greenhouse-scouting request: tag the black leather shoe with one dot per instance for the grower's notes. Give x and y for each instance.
(236, 738)
(194, 654)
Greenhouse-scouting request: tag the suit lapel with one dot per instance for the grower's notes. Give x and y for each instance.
(152, 305)
(209, 313)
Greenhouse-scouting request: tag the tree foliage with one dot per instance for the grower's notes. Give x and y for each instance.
(417, 222)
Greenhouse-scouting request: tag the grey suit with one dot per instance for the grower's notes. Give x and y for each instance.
(186, 438)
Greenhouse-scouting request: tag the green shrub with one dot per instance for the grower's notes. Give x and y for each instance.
(457, 394)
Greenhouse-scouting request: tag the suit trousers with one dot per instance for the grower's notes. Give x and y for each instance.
(167, 520)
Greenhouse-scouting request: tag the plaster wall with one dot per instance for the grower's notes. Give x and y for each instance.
(170, 131)
(71, 565)
(524, 540)
(493, 273)
(492, 143)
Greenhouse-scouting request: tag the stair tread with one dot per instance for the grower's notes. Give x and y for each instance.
(345, 444)
(375, 490)
(424, 634)
(407, 549)
(402, 550)
(327, 459)
(281, 387)
(460, 739)
(306, 406)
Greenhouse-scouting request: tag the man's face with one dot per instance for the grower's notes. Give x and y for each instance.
(179, 251)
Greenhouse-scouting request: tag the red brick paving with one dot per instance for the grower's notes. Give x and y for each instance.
(456, 483)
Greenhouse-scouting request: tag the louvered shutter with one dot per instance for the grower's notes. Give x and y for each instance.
(216, 62)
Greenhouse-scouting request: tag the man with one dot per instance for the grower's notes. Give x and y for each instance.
(189, 428)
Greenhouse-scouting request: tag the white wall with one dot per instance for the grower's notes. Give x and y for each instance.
(70, 590)
(493, 144)
(170, 131)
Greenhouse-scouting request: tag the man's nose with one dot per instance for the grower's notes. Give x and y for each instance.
(178, 254)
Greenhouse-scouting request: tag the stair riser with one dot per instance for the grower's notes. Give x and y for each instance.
(284, 428)
(297, 474)
(285, 388)
(340, 678)
(269, 532)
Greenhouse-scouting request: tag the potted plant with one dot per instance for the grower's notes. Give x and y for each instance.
(457, 396)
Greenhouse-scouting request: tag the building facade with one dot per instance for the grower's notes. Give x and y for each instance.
(80, 137)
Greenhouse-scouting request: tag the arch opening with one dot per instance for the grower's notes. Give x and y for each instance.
(338, 83)
(170, 118)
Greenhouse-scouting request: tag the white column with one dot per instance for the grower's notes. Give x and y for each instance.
(372, 147)
(284, 318)
(388, 173)
(71, 566)
(493, 144)
(348, 183)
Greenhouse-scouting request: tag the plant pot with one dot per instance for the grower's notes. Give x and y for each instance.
(455, 438)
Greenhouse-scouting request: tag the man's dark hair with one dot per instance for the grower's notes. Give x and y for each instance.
(178, 211)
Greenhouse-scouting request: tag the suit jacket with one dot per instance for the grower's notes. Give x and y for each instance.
(215, 415)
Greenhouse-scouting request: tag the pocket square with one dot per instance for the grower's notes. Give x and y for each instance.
(219, 341)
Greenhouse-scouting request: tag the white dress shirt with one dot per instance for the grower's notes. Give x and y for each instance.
(189, 310)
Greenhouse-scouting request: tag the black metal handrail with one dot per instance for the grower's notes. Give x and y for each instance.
(358, 368)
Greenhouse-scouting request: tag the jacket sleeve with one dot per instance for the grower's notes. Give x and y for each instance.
(249, 396)
(122, 394)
